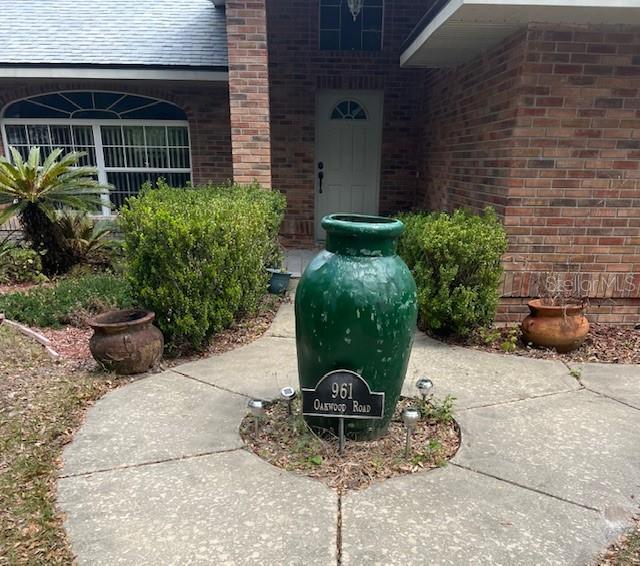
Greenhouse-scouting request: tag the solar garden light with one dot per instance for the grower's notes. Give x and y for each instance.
(257, 408)
(410, 417)
(288, 394)
(424, 385)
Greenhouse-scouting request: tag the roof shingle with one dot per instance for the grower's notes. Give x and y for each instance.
(168, 33)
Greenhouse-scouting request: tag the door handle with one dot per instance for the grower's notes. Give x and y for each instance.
(320, 176)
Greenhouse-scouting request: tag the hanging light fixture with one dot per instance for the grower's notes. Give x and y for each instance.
(355, 7)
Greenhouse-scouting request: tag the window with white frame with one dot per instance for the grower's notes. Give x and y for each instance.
(130, 139)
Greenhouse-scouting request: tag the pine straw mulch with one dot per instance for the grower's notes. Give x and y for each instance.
(604, 344)
(625, 551)
(287, 442)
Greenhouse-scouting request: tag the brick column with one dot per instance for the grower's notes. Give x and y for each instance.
(249, 90)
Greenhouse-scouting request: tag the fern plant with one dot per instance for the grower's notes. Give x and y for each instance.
(36, 191)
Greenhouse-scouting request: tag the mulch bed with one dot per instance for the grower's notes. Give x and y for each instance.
(604, 344)
(287, 442)
(22, 287)
(625, 551)
(72, 342)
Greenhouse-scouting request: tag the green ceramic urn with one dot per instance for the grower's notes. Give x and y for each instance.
(356, 310)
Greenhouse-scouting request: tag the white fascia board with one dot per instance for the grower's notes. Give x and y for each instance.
(445, 14)
(462, 19)
(112, 74)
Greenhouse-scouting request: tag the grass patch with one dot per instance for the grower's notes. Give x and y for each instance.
(71, 301)
(625, 551)
(41, 403)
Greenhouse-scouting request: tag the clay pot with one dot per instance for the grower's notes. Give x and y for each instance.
(126, 341)
(561, 327)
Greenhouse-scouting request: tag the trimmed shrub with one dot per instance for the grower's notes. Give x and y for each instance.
(455, 260)
(196, 256)
(71, 301)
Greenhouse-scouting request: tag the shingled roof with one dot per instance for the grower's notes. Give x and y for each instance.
(144, 33)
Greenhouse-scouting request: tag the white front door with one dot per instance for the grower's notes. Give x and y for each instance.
(348, 144)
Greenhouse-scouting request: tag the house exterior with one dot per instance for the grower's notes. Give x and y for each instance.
(531, 107)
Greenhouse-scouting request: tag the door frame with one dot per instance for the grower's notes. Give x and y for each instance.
(354, 94)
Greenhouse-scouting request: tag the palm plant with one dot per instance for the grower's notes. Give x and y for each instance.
(35, 191)
(90, 242)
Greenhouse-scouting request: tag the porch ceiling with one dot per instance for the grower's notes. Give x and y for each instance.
(462, 29)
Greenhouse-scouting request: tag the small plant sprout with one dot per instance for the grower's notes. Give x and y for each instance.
(257, 408)
(441, 412)
(288, 394)
(424, 385)
(576, 373)
(410, 417)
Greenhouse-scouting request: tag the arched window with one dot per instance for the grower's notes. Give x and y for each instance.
(130, 139)
(348, 110)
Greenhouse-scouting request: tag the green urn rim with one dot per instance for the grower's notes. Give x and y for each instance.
(362, 225)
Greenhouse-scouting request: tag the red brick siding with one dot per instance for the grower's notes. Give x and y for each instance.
(298, 69)
(468, 150)
(568, 171)
(249, 90)
(206, 106)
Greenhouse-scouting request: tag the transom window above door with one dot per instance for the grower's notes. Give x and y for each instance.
(130, 139)
(348, 110)
(341, 30)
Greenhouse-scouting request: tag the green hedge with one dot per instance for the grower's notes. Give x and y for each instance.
(196, 256)
(455, 260)
(69, 301)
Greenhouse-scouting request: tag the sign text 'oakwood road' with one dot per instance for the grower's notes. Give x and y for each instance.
(343, 393)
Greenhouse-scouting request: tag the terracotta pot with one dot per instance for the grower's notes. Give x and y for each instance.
(126, 341)
(561, 327)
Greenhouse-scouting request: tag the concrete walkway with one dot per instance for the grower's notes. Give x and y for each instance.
(548, 471)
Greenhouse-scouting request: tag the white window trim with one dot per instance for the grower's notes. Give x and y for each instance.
(97, 138)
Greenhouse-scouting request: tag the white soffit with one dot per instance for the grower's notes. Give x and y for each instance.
(465, 28)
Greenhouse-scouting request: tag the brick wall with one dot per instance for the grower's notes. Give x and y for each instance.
(564, 174)
(298, 69)
(470, 115)
(249, 90)
(206, 106)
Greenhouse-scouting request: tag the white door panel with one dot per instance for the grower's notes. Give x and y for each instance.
(348, 142)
